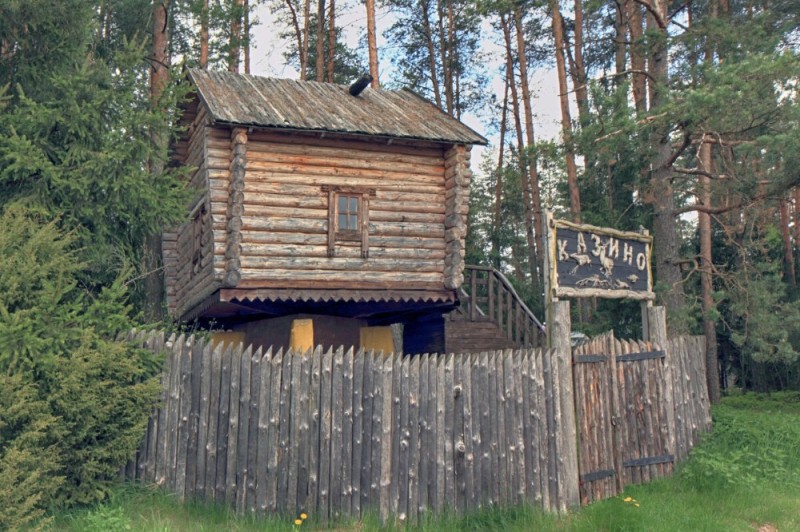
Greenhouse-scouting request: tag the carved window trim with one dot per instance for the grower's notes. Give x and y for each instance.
(361, 232)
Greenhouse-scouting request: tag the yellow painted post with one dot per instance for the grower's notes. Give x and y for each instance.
(377, 339)
(302, 336)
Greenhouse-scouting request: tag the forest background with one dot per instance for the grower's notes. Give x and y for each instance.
(679, 116)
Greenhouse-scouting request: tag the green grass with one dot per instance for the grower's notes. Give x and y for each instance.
(744, 476)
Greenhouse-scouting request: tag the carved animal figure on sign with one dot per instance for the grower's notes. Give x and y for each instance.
(581, 259)
(600, 250)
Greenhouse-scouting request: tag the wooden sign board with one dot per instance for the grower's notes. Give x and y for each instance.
(589, 261)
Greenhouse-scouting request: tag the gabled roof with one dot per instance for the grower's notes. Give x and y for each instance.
(245, 100)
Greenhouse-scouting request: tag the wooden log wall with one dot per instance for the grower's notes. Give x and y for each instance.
(340, 433)
(285, 221)
(209, 151)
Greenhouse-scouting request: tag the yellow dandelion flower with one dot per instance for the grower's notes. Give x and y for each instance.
(628, 499)
(303, 517)
(298, 522)
(636, 504)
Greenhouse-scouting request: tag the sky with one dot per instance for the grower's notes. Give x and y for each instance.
(267, 60)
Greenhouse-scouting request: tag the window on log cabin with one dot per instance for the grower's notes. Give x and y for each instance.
(348, 218)
(198, 235)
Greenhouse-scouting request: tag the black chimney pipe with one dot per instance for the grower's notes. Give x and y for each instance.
(360, 84)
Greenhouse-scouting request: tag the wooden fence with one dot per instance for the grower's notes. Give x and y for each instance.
(636, 415)
(338, 433)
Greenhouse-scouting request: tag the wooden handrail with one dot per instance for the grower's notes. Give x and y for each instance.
(505, 308)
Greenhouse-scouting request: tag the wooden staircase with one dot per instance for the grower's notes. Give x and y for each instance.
(491, 316)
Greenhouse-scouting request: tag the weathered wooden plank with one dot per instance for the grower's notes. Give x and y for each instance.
(284, 420)
(459, 434)
(233, 424)
(304, 420)
(278, 375)
(325, 437)
(347, 433)
(171, 409)
(244, 428)
(487, 452)
(265, 388)
(337, 429)
(402, 479)
(504, 473)
(315, 422)
(386, 400)
(211, 443)
(184, 412)
(357, 441)
(253, 430)
(475, 447)
(397, 433)
(223, 426)
(518, 427)
(294, 422)
(414, 439)
(449, 427)
(366, 502)
(424, 442)
(509, 428)
(196, 371)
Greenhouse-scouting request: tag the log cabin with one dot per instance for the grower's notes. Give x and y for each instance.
(323, 214)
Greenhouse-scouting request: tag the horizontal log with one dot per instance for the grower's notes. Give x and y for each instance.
(327, 265)
(377, 241)
(372, 144)
(325, 278)
(260, 186)
(338, 284)
(316, 200)
(601, 292)
(339, 180)
(351, 160)
(321, 251)
(353, 174)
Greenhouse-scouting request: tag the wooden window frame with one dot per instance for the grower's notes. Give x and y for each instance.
(362, 233)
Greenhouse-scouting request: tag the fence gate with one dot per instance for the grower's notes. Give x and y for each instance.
(621, 413)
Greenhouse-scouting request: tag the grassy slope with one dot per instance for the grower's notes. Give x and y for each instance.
(744, 476)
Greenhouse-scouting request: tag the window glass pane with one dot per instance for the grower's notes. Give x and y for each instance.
(342, 221)
(342, 203)
(353, 204)
(353, 222)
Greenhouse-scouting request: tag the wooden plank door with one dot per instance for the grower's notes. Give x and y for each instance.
(643, 430)
(594, 376)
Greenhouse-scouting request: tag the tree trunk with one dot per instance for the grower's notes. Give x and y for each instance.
(204, 35)
(498, 186)
(523, 166)
(246, 36)
(797, 225)
(536, 202)
(159, 77)
(426, 28)
(372, 44)
(445, 52)
(331, 40)
(579, 78)
(304, 43)
(236, 36)
(638, 77)
(620, 37)
(299, 37)
(707, 279)
(566, 119)
(788, 252)
(665, 227)
(320, 40)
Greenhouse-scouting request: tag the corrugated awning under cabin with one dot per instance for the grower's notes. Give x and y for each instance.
(253, 101)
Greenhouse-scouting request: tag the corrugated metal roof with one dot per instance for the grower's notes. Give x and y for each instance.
(247, 100)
